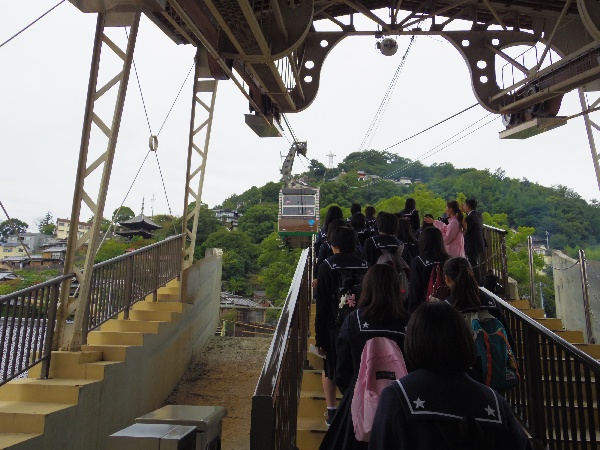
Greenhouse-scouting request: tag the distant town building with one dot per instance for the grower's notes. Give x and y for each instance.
(34, 241)
(63, 228)
(228, 217)
(12, 249)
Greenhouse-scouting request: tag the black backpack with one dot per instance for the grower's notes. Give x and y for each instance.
(348, 293)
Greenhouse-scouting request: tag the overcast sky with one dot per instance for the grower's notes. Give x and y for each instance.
(43, 81)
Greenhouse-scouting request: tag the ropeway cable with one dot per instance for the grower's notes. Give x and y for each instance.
(15, 35)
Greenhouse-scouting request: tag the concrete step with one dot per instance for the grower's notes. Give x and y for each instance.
(152, 316)
(174, 283)
(519, 304)
(115, 338)
(109, 352)
(314, 361)
(551, 323)
(140, 326)
(312, 403)
(26, 417)
(537, 313)
(574, 337)
(158, 306)
(8, 440)
(591, 349)
(311, 380)
(310, 432)
(62, 390)
(70, 365)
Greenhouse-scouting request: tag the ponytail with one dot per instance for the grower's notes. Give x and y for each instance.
(465, 290)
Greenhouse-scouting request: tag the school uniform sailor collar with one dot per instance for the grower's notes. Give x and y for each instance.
(423, 403)
(366, 326)
(346, 261)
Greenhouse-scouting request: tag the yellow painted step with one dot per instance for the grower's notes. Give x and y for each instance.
(8, 440)
(140, 326)
(572, 336)
(43, 391)
(115, 338)
(152, 316)
(174, 283)
(312, 403)
(591, 349)
(551, 323)
(158, 306)
(311, 380)
(536, 313)
(519, 304)
(314, 361)
(310, 432)
(65, 364)
(96, 370)
(26, 417)
(109, 352)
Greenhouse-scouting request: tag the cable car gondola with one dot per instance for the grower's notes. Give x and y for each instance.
(298, 220)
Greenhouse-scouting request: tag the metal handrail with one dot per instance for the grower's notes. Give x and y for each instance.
(557, 398)
(122, 281)
(27, 319)
(275, 400)
(494, 256)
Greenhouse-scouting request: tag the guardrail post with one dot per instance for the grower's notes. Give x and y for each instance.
(48, 339)
(128, 287)
(586, 297)
(156, 267)
(532, 302)
(504, 262)
(533, 379)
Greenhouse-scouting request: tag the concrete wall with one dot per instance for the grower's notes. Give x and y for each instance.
(569, 292)
(141, 383)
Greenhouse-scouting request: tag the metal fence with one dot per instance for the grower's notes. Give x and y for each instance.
(26, 328)
(558, 396)
(494, 257)
(122, 281)
(275, 400)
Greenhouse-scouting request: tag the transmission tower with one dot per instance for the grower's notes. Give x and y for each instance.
(330, 164)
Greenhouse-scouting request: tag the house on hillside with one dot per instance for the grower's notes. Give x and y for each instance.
(34, 241)
(7, 276)
(63, 227)
(229, 217)
(13, 249)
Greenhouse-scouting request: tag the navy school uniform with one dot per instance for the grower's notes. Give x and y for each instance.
(423, 409)
(328, 282)
(420, 272)
(375, 245)
(354, 334)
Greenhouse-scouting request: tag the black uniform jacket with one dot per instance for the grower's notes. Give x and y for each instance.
(373, 247)
(423, 409)
(328, 283)
(420, 272)
(474, 242)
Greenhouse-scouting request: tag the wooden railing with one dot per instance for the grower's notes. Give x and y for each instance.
(275, 400)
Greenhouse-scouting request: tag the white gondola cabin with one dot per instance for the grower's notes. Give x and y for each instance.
(298, 216)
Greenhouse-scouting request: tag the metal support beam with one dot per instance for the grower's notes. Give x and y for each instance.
(104, 160)
(589, 126)
(203, 104)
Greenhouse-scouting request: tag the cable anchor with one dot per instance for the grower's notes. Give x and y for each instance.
(153, 143)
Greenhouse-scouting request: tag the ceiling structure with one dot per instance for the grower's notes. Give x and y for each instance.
(275, 48)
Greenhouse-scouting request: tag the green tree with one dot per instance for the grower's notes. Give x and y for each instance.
(46, 224)
(11, 226)
(122, 214)
(259, 221)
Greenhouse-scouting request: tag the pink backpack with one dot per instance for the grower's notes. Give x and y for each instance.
(381, 363)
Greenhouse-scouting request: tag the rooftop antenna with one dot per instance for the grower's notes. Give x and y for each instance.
(153, 198)
(330, 164)
(142, 206)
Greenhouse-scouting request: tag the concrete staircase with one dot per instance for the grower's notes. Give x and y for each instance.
(29, 407)
(311, 422)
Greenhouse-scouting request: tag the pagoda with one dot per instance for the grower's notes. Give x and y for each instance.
(138, 226)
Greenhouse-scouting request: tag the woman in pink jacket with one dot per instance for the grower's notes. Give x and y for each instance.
(453, 232)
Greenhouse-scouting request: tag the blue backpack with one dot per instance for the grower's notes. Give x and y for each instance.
(498, 362)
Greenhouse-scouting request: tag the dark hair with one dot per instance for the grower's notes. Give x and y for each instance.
(432, 241)
(427, 224)
(410, 204)
(354, 208)
(405, 233)
(336, 223)
(471, 203)
(358, 221)
(455, 207)
(387, 223)
(380, 295)
(334, 212)
(344, 238)
(370, 211)
(465, 290)
(439, 339)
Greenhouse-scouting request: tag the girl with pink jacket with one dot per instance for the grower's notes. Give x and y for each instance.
(453, 233)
